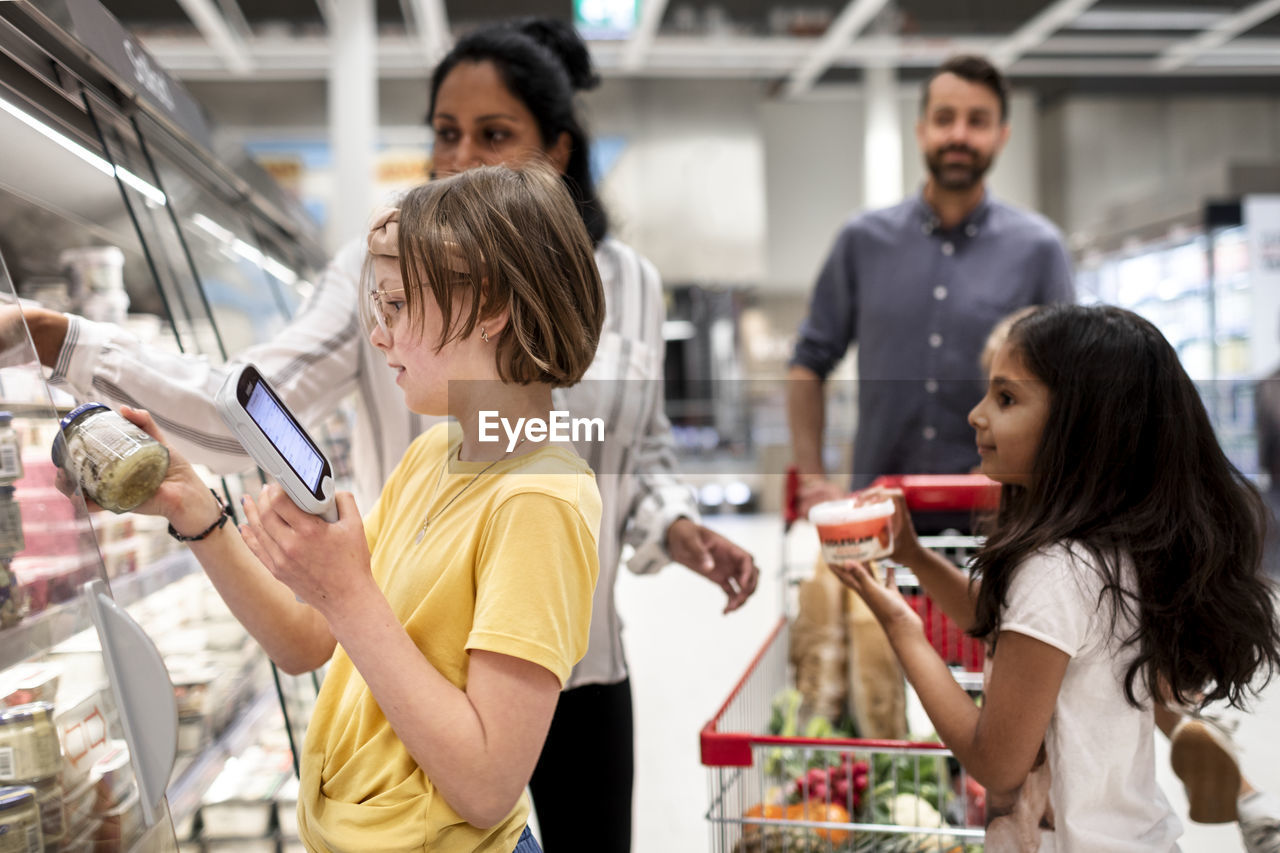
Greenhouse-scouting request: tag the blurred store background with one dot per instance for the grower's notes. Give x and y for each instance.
(732, 144)
(732, 140)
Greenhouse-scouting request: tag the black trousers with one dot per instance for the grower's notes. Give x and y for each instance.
(582, 785)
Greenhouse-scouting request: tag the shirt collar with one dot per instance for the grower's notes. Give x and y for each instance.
(975, 220)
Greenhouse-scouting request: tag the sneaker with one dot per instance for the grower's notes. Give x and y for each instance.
(1204, 759)
(1260, 822)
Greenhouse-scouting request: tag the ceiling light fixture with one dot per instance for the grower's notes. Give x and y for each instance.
(1147, 19)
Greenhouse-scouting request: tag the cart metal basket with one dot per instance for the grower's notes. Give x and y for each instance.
(897, 796)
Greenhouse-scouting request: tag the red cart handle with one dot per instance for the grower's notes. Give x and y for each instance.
(791, 498)
(925, 492)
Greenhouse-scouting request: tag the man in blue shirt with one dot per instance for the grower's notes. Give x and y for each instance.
(918, 286)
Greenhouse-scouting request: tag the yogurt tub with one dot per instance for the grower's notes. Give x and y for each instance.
(112, 778)
(852, 529)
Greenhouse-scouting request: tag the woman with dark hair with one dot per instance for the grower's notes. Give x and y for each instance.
(1123, 569)
(504, 95)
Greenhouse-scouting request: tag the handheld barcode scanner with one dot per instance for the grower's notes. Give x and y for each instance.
(270, 433)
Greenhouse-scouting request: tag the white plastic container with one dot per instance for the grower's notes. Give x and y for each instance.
(854, 529)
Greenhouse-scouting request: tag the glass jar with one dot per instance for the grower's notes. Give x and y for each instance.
(12, 600)
(52, 810)
(28, 743)
(19, 821)
(117, 464)
(10, 451)
(11, 539)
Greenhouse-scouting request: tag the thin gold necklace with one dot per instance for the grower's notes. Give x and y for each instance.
(426, 521)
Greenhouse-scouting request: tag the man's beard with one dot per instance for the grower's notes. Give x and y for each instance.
(957, 176)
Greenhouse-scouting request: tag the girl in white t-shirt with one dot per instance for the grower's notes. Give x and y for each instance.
(1124, 561)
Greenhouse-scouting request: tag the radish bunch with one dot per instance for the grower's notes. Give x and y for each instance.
(842, 783)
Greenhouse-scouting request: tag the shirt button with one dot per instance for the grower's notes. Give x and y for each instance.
(971, 230)
(939, 293)
(935, 340)
(931, 386)
(948, 248)
(929, 433)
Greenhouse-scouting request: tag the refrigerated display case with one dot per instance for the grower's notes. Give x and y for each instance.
(1198, 285)
(112, 205)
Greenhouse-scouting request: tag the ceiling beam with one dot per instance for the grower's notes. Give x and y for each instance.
(429, 23)
(1033, 33)
(400, 56)
(852, 20)
(1218, 34)
(651, 12)
(220, 34)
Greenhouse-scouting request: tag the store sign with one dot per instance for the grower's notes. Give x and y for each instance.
(97, 30)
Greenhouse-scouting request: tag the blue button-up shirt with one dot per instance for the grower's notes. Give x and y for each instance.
(920, 301)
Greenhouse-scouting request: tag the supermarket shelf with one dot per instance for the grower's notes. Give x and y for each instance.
(46, 629)
(188, 787)
(35, 410)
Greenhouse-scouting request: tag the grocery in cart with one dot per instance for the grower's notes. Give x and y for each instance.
(811, 751)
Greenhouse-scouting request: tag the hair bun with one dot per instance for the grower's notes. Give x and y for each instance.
(563, 40)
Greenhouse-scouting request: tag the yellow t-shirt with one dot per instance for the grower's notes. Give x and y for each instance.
(509, 566)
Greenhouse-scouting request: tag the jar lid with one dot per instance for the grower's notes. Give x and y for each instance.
(22, 713)
(59, 451)
(5, 417)
(16, 797)
(78, 411)
(6, 492)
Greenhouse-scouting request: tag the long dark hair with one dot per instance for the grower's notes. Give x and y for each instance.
(1129, 467)
(542, 62)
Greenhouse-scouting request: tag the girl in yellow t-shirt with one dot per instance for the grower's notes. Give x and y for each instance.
(452, 615)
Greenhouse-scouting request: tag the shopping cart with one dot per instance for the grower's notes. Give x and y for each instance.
(772, 793)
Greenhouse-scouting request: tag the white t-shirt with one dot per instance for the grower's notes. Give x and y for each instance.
(1100, 749)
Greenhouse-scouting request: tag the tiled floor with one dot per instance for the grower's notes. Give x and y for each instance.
(685, 657)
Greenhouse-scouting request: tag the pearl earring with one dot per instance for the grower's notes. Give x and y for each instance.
(484, 336)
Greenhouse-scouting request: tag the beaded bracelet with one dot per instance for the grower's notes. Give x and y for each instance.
(222, 519)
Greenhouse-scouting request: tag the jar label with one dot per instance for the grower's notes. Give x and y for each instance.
(20, 836)
(7, 767)
(10, 461)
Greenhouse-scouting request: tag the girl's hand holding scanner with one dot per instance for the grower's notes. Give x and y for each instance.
(279, 536)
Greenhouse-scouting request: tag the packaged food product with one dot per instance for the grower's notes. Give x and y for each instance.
(28, 743)
(11, 541)
(29, 682)
(13, 600)
(52, 292)
(78, 805)
(818, 645)
(120, 825)
(53, 814)
(19, 821)
(93, 268)
(117, 464)
(112, 778)
(854, 529)
(10, 451)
